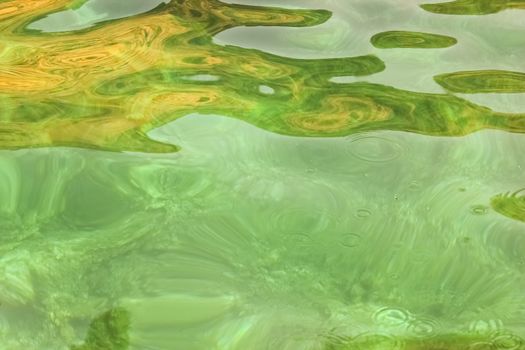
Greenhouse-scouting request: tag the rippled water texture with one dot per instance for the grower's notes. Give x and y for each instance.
(310, 175)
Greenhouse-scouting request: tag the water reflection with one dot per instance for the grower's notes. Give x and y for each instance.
(104, 88)
(87, 13)
(312, 191)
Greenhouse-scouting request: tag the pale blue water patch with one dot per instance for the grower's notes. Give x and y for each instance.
(345, 79)
(330, 39)
(267, 90)
(202, 77)
(91, 13)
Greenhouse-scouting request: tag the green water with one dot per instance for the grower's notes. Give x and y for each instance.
(334, 192)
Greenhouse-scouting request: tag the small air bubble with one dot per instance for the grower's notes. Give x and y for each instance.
(363, 213)
(479, 209)
(265, 89)
(350, 240)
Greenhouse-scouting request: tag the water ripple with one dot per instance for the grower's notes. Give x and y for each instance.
(376, 149)
(508, 342)
(392, 316)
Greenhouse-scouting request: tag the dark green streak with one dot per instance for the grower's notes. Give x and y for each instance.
(109, 331)
(483, 81)
(439, 342)
(413, 40)
(314, 111)
(473, 7)
(511, 205)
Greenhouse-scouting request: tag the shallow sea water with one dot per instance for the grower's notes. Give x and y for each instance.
(262, 175)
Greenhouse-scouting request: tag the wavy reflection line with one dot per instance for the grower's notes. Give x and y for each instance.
(105, 87)
(412, 40)
(473, 7)
(483, 81)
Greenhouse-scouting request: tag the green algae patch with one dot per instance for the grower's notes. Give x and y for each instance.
(473, 7)
(411, 40)
(511, 205)
(109, 331)
(438, 342)
(483, 81)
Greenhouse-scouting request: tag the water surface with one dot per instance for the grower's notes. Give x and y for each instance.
(262, 175)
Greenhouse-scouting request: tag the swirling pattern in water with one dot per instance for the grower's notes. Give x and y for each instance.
(412, 40)
(473, 7)
(376, 149)
(107, 85)
(483, 81)
(508, 341)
